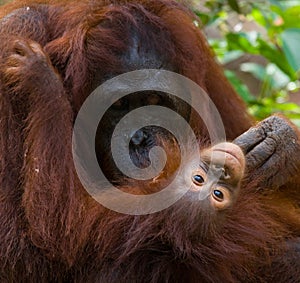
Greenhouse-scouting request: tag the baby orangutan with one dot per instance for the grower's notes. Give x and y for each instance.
(222, 230)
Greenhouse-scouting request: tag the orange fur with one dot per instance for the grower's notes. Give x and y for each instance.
(51, 229)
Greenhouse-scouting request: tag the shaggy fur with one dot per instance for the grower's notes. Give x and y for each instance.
(51, 229)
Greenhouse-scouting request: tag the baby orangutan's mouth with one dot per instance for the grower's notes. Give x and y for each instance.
(232, 151)
(227, 157)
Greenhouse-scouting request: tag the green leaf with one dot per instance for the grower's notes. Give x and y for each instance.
(234, 5)
(277, 57)
(240, 88)
(240, 41)
(258, 71)
(276, 2)
(285, 3)
(291, 17)
(259, 17)
(278, 79)
(270, 73)
(248, 43)
(291, 42)
(292, 107)
(204, 18)
(230, 56)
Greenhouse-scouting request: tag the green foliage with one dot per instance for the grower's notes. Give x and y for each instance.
(276, 39)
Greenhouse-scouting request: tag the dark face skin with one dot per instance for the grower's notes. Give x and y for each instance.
(141, 53)
(141, 141)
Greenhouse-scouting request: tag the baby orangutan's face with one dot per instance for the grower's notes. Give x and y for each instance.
(219, 175)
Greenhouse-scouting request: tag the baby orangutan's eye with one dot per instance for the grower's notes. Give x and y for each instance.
(218, 195)
(221, 197)
(198, 180)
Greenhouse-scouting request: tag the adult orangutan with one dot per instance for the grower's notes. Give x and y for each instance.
(52, 56)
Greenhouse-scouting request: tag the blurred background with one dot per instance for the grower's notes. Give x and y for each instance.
(258, 43)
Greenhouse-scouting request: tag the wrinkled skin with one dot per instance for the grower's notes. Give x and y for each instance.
(272, 150)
